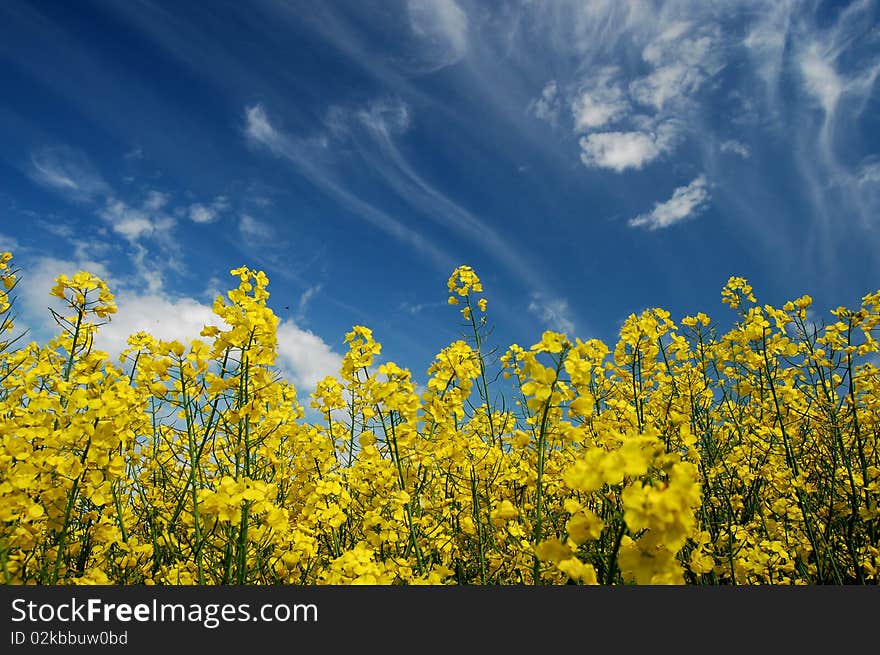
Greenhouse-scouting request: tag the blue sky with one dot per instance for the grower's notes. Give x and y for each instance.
(589, 160)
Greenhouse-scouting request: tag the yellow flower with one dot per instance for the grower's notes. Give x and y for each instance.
(584, 526)
(552, 550)
(577, 570)
(504, 511)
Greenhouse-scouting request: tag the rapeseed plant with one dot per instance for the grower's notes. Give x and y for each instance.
(677, 456)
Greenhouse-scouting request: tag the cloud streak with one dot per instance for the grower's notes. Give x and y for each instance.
(254, 230)
(737, 148)
(67, 171)
(260, 131)
(553, 312)
(383, 122)
(441, 28)
(686, 203)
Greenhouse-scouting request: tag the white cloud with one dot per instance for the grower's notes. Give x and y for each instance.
(212, 289)
(304, 357)
(137, 225)
(129, 223)
(677, 56)
(306, 297)
(686, 202)
(766, 42)
(58, 228)
(8, 244)
(133, 227)
(664, 84)
(546, 105)
(162, 316)
(683, 57)
(149, 270)
(442, 30)
(820, 78)
(867, 174)
(38, 278)
(598, 106)
(134, 223)
(259, 129)
(203, 213)
(411, 308)
(199, 213)
(156, 200)
(737, 148)
(250, 228)
(555, 313)
(655, 51)
(618, 150)
(385, 117)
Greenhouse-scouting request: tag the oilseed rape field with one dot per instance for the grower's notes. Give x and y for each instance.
(679, 455)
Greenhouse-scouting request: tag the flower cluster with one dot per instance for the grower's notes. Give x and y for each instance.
(681, 455)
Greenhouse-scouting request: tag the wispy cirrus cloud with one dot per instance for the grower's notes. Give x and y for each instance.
(372, 131)
(305, 298)
(765, 45)
(554, 312)
(635, 84)
(298, 152)
(384, 121)
(441, 28)
(838, 70)
(67, 171)
(253, 229)
(374, 134)
(8, 243)
(820, 78)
